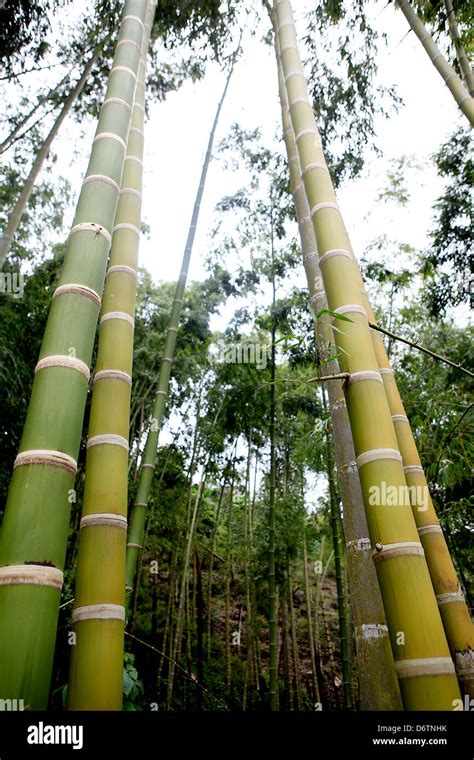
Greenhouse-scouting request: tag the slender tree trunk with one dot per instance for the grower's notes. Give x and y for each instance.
(271, 516)
(286, 648)
(341, 601)
(314, 677)
(464, 100)
(294, 643)
(19, 208)
(229, 574)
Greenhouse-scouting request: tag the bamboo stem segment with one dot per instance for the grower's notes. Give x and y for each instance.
(413, 618)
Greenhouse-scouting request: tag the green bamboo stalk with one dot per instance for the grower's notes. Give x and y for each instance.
(19, 208)
(422, 659)
(377, 679)
(35, 527)
(453, 82)
(341, 610)
(463, 61)
(272, 611)
(147, 466)
(96, 675)
(311, 640)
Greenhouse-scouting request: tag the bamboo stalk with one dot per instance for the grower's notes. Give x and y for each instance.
(35, 527)
(463, 61)
(19, 208)
(99, 613)
(422, 659)
(454, 83)
(378, 683)
(145, 478)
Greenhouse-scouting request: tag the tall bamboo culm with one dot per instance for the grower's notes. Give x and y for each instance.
(463, 61)
(35, 527)
(422, 660)
(378, 683)
(147, 465)
(452, 81)
(19, 208)
(99, 609)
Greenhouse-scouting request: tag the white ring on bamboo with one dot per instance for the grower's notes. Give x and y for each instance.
(399, 418)
(386, 371)
(172, 329)
(317, 297)
(398, 549)
(285, 23)
(62, 360)
(413, 468)
(450, 596)
(91, 227)
(130, 191)
(321, 206)
(373, 455)
(129, 42)
(127, 226)
(138, 131)
(298, 101)
(351, 308)
(48, 457)
(371, 631)
(309, 131)
(310, 256)
(161, 393)
(166, 359)
(428, 666)
(79, 290)
(118, 315)
(424, 529)
(122, 268)
(147, 464)
(110, 136)
(288, 47)
(136, 159)
(108, 519)
(141, 504)
(102, 178)
(120, 102)
(368, 374)
(126, 69)
(334, 252)
(107, 439)
(113, 374)
(309, 167)
(135, 18)
(360, 545)
(98, 612)
(140, 106)
(34, 575)
(134, 546)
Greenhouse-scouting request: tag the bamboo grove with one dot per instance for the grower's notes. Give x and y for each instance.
(361, 605)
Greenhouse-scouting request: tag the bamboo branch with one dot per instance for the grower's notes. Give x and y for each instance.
(324, 378)
(421, 348)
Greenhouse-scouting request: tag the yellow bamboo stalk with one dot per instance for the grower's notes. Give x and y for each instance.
(421, 653)
(377, 680)
(99, 609)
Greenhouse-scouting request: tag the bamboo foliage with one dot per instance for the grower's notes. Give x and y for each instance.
(22, 201)
(99, 611)
(378, 683)
(36, 521)
(452, 81)
(422, 659)
(147, 465)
